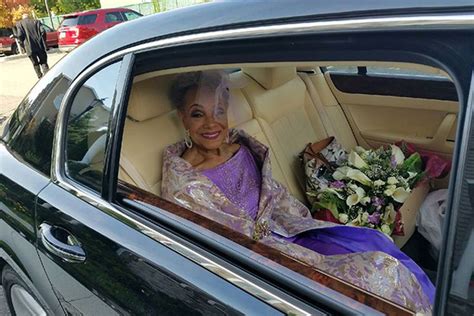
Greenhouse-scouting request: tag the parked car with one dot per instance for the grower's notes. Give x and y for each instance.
(51, 37)
(76, 28)
(9, 46)
(83, 228)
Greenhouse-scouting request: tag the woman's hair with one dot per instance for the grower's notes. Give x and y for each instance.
(210, 79)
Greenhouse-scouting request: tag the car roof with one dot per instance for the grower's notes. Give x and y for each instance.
(95, 11)
(220, 15)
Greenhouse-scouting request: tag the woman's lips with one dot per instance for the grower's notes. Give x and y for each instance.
(211, 136)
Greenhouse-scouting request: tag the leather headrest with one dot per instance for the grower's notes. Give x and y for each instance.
(149, 98)
(271, 78)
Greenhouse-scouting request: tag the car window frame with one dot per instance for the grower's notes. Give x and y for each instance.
(176, 41)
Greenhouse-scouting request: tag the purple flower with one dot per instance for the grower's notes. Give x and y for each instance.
(374, 218)
(393, 161)
(376, 201)
(338, 184)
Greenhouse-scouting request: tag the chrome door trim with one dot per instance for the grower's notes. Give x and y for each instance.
(334, 26)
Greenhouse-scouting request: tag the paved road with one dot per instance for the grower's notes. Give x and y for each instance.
(17, 77)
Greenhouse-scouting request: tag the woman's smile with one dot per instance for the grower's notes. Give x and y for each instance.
(211, 135)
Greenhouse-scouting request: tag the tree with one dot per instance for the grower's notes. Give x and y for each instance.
(40, 7)
(69, 6)
(5, 16)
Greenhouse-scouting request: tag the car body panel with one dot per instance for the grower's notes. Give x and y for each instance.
(18, 229)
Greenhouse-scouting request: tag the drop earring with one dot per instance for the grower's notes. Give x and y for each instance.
(187, 139)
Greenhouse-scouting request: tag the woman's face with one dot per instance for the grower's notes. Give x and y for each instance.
(205, 116)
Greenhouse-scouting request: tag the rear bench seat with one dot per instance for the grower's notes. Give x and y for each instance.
(273, 105)
(152, 124)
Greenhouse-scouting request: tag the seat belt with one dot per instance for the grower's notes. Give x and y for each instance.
(133, 173)
(319, 105)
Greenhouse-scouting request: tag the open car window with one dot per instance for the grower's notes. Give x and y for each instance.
(275, 112)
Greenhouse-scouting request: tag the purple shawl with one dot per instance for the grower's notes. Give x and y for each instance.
(281, 214)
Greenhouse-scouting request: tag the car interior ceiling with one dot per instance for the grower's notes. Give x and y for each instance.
(286, 106)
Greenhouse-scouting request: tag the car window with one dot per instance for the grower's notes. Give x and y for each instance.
(111, 17)
(47, 28)
(130, 15)
(159, 141)
(87, 19)
(387, 71)
(5, 32)
(87, 127)
(70, 21)
(32, 138)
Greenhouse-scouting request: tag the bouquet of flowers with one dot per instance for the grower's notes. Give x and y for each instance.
(365, 187)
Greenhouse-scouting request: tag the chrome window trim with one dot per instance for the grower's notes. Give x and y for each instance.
(364, 24)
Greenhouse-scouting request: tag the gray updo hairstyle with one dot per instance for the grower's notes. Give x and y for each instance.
(212, 79)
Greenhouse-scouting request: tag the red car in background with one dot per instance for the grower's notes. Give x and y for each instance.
(9, 46)
(76, 28)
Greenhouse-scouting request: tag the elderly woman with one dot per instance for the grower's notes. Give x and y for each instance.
(225, 175)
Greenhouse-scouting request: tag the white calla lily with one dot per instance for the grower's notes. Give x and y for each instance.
(352, 200)
(340, 173)
(330, 190)
(355, 160)
(358, 176)
(398, 155)
(400, 195)
(411, 175)
(360, 150)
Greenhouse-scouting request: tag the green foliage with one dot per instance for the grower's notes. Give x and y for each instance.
(70, 6)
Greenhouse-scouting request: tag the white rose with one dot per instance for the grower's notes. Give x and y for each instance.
(392, 180)
(365, 217)
(389, 190)
(379, 183)
(386, 229)
(365, 200)
(390, 214)
(343, 218)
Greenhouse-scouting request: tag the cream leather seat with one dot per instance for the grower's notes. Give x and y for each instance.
(152, 124)
(283, 108)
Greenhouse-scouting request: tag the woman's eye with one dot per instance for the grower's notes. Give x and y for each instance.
(196, 114)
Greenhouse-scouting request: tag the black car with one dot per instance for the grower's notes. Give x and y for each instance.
(83, 229)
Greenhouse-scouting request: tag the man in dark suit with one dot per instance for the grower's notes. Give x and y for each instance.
(32, 35)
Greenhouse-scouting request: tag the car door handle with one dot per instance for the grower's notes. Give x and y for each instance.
(68, 248)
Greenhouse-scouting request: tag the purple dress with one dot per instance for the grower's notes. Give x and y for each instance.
(239, 179)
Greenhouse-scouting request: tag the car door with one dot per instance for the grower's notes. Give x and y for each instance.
(456, 296)
(103, 260)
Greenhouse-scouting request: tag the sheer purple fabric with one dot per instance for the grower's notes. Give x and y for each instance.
(240, 180)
